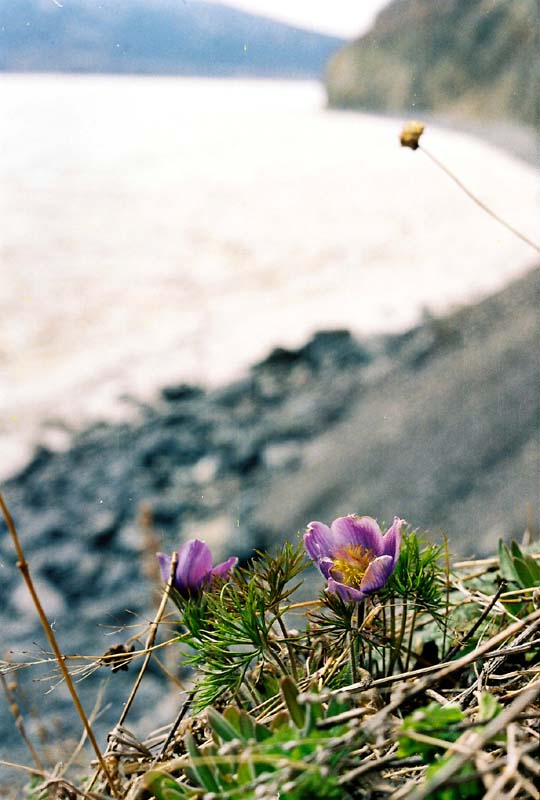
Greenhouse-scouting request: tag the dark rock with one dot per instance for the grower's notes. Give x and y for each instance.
(279, 357)
(180, 392)
(41, 457)
(166, 514)
(233, 394)
(337, 348)
(104, 529)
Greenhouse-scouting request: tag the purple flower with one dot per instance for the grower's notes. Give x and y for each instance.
(194, 567)
(353, 555)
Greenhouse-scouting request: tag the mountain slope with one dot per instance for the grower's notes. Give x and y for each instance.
(478, 59)
(160, 37)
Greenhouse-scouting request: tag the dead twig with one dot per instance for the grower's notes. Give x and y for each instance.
(24, 569)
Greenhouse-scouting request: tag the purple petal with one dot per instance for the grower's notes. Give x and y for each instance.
(346, 593)
(164, 562)
(392, 539)
(319, 541)
(377, 574)
(194, 564)
(362, 531)
(223, 569)
(325, 565)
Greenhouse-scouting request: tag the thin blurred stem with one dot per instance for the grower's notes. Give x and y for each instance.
(150, 640)
(385, 639)
(359, 616)
(447, 587)
(410, 642)
(392, 633)
(398, 644)
(352, 657)
(19, 722)
(289, 647)
(478, 202)
(24, 569)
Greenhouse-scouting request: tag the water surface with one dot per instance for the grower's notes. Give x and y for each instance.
(164, 229)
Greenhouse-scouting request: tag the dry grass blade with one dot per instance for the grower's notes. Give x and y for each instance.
(19, 722)
(23, 566)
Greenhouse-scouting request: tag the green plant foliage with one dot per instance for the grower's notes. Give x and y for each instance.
(444, 724)
(488, 707)
(419, 573)
(440, 723)
(518, 567)
(232, 628)
(165, 787)
(461, 789)
(246, 756)
(435, 720)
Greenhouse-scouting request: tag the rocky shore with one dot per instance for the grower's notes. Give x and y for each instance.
(440, 425)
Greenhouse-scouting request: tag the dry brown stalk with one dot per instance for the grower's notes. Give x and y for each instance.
(454, 650)
(484, 562)
(524, 636)
(148, 649)
(19, 722)
(24, 569)
(151, 639)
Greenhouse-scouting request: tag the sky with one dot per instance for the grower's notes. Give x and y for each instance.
(346, 18)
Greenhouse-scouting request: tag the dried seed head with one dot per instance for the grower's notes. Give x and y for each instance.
(411, 133)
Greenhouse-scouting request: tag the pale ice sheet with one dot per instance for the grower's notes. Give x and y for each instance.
(156, 230)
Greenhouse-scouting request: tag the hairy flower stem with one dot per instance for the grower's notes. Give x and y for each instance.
(410, 642)
(399, 642)
(357, 618)
(352, 657)
(289, 647)
(392, 634)
(385, 639)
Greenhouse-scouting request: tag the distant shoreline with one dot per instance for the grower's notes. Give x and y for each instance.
(519, 140)
(514, 138)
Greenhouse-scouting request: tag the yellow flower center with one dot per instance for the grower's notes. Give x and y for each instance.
(351, 563)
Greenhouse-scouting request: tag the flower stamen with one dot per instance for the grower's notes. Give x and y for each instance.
(350, 564)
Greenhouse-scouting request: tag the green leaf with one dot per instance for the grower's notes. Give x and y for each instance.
(489, 707)
(281, 720)
(232, 715)
(534, 568)
(289, 691)
(515, 549)
(200, 768)
(220, 726)
(164, 787)
(434, 720)
(261, 732)
(247, 727)
(525, 579)
(506, 565)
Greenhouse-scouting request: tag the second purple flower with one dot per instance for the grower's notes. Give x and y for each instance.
(194, 568)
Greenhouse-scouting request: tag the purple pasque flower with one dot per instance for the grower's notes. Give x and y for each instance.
(353, 554)
(194, 568)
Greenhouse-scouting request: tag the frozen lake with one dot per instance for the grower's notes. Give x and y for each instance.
(156, 230)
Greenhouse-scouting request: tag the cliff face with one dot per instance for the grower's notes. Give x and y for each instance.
(463, 58)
